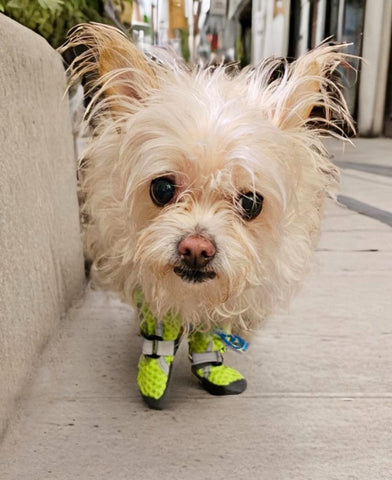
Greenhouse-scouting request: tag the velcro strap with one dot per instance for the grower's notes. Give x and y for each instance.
(159, 347)
(206, 358)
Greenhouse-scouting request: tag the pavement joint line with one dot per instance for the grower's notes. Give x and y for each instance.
(365, 250)
(299, 395)
(315, 396)
(346, 398)
(366, 209)
(381, 170)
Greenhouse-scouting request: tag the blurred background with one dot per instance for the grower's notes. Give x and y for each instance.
(245, 31)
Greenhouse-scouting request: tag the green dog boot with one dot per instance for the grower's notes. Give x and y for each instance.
(206, 354)
(161, 340)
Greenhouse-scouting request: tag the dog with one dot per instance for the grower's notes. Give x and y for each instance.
(204, 192)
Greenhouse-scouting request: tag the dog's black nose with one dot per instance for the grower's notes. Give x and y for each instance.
(196, 251)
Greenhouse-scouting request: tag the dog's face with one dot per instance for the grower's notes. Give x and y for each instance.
(204, 189)
(207, 197)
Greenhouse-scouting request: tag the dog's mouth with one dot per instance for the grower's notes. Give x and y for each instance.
(194, 276)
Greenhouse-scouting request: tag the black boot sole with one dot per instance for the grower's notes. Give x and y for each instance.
(234, 388)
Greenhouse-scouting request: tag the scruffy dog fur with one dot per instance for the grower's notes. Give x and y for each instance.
(243, 158)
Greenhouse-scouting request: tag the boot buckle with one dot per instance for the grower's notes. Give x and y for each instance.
(159, 348)
(203, 359)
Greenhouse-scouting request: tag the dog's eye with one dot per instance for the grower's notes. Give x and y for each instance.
(250, 205)
(162, 190)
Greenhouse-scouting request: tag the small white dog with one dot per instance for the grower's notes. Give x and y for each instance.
(204, 192)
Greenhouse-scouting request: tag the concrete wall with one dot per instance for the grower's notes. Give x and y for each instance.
(41, 264)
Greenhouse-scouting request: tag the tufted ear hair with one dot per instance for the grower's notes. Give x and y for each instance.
(109, 64)
(306, 85)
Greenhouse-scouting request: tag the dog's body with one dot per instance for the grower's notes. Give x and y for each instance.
(204, 189)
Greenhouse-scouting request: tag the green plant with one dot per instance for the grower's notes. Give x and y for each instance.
(185, 45)
(53, 18)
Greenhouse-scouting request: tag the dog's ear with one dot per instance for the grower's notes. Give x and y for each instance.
(296, 93)
(108, 64)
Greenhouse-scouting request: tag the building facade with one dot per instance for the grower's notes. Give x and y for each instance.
(248, 30)
(289, 28)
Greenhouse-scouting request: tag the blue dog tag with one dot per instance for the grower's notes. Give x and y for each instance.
(233, 341)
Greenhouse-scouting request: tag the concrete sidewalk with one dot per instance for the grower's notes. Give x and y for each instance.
(319, 401)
